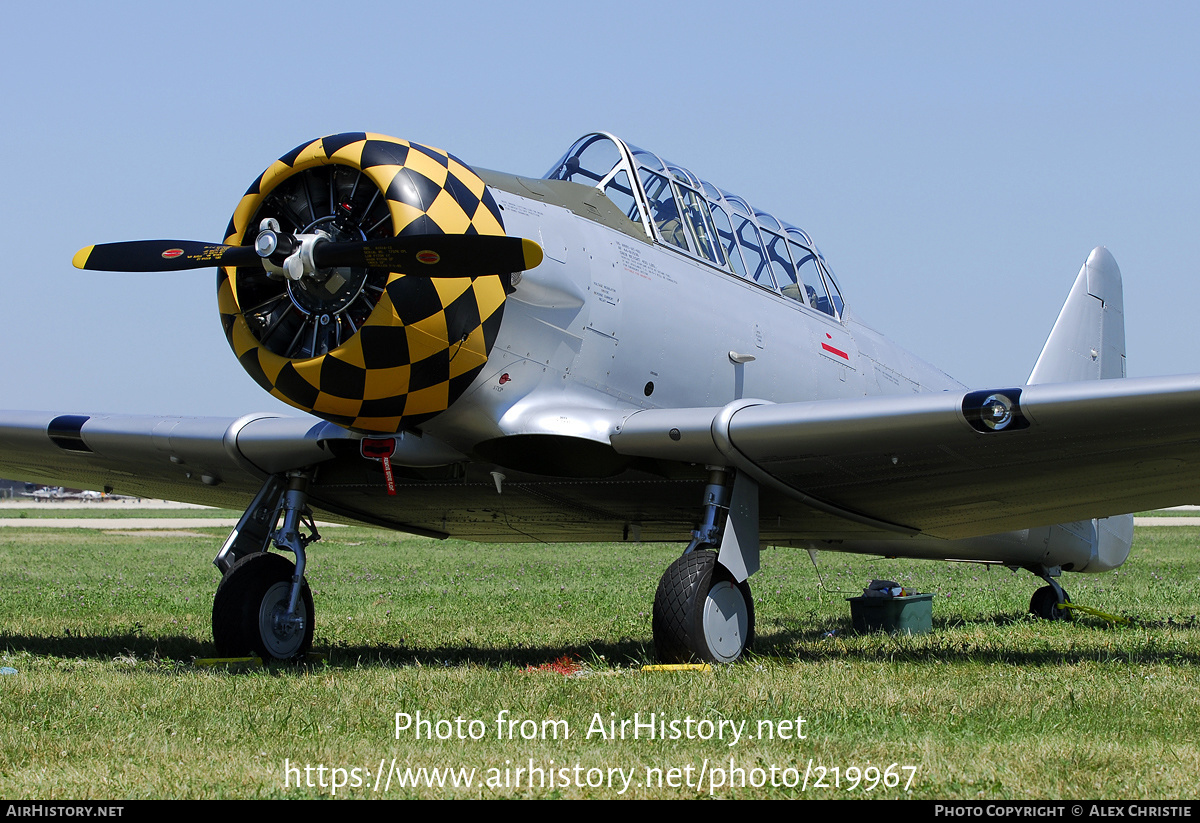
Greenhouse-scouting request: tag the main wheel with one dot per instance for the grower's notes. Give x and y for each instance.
(250, 606)
(1044, 604)
(701, 612)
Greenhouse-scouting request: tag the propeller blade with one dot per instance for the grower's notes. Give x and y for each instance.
(434, 255)
(426, 255)
(162, 255)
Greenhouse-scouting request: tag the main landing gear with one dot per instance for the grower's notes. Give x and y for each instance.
(263, 604)
(703, 609)
(1049, 602)
(250, 610)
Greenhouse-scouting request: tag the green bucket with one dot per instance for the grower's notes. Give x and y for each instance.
(895, 615)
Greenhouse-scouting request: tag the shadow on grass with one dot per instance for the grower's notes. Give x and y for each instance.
(107, 647)
(952, 641)
(1007, 639)
(624, 652)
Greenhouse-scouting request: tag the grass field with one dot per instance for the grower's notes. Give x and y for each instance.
(106, 702)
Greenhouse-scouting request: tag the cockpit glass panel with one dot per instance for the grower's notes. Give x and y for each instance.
(728, 240)
(767, 221)
(597, 161)
(699, 222)
(806, 271)
(647, 159)
(781, 265)
(664, 211)
(835, 290)
(588, 162)
(737, 204)
(752, 251)
(684, 176)
(800, 236)
(620, 192)
(810, 275)
(708, 223)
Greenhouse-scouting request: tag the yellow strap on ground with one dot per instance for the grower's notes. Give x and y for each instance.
(311, 657)
(678, 667)
(1111, 618)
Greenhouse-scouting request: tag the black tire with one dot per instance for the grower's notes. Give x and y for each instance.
(701, 612)
(255, 588)
(1044, 604)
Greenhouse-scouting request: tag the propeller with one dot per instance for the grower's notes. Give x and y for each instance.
(426, 255)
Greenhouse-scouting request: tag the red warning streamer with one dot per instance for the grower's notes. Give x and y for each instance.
(382, 449)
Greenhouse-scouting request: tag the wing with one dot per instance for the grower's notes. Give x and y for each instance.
(868, 467)
(213, 461)
(934, 464)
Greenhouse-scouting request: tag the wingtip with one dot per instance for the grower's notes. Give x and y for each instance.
(80, 259)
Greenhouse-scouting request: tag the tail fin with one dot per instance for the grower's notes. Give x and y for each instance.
(1088, 343)
(1088, 339)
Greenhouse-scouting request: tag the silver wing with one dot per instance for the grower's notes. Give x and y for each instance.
(211, 461)
(863, 468)
(930, 464)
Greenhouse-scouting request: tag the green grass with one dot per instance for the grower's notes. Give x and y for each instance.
(106, 702)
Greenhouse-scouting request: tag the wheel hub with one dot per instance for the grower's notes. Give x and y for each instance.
(725, 621)
(281, 634)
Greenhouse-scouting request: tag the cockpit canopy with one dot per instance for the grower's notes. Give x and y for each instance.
(694, 217)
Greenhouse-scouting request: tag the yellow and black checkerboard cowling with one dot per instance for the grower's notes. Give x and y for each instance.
(426, 339)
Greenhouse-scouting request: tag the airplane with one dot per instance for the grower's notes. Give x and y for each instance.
(616, 351)
(46, 493)
(60, 493)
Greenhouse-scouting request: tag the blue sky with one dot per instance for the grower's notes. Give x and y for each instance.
(956, 162)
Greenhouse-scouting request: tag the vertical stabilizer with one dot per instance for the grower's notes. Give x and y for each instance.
(1088, 343)
(1088, 339)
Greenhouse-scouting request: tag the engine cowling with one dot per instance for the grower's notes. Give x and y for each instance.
(373, 350)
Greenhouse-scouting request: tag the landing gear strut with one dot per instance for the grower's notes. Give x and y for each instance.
(263, 604)
(703, 608)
